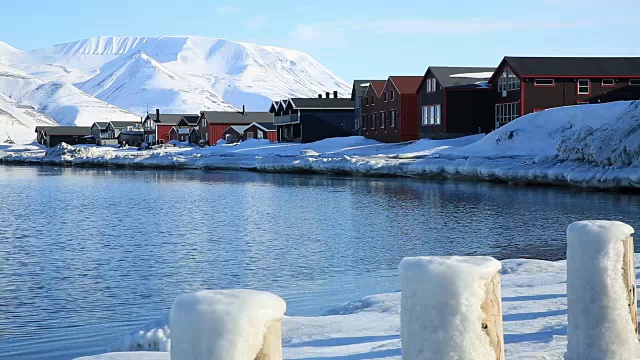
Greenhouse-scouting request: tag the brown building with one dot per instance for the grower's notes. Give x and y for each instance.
(529, 84)
(390, 109)
(456, 101)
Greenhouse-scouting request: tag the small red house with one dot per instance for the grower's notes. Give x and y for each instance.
(158, 126)
(213, 124)
(261, 131)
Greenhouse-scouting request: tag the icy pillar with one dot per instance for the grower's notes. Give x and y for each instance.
(451, 308)
(227, 325)
(601, 291)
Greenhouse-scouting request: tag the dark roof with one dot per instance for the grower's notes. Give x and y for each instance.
(274, 106)
(68, 130)
(406, 84)
(378, 85)
(574, 66)
(321, 103)
(445, 77)
(269, 126)
(43, 128)
(169, 119)
(125, 124)
(237, 117)
(190, 119)
(358, 89)
(239, 129)
(101, 124)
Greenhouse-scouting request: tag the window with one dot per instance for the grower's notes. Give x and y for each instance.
(364, 121)
(384, 96)
(373, 121)
(608, 83)
(431, 115)
(392, 118)
(544, 82)
(383, 119)
(428, 85)
(392, 94)
(584, 87)
(433, 85)
(508, 81)
(356, 123)
(366, 101)
(358, 100)
(634, 82)
(507, 112)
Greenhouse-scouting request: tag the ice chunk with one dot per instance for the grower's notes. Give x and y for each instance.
(600, 325)
(222, 324)
(441, 312)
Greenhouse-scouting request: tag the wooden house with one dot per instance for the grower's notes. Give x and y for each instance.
(104, 133)
(390, 111)
(233, 134)
(40, 138)
(261, 131)
(456, 101)
(213, 124)
(311, 119)
(157, 126)
(528, 84)
(358, 91)
(72, 135)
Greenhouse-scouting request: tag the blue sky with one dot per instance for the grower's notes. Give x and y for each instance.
(354, 39)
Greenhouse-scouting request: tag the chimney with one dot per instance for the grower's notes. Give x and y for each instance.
(157, 114)
(244, 110)
(319, 96)
(335, 94)
(327, 95)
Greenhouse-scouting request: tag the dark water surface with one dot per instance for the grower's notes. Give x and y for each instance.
(88, 255)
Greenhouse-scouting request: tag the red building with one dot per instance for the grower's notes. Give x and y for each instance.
(158, 126)
(390, 109)
(213, 124)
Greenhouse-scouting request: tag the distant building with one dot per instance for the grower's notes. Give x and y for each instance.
(358, 91)
(307, 120)
(456, 101)
(214, 124)
(266, 131)
(390, 111)
(524, 85)
(157, 126)
(105, 133)
(182, 129)
(40, 138)
(72, 135)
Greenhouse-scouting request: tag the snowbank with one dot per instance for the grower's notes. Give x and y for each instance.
(222, 324)
(441, 313)
(588, 145)
(600, 325)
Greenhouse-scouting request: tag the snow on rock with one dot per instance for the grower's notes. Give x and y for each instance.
(222, 324)
(441, 312)
(600, 325)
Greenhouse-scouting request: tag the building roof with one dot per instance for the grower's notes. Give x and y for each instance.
(190, 119)
(239, 129)
(360, 87)
(321, 103)
(455, 76)
(101, 124)
(406, 84)
(264, 126)
(125, 124)
(168, 119)
(378, 86)
(274, 106)
(68, 131)
(236, 117)
(574, 66)
(43, 128)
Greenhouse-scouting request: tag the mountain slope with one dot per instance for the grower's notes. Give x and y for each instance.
(180, 72)
(19, 121)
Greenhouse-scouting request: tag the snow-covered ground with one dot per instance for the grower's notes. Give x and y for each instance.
(588, 145)
(534, 313)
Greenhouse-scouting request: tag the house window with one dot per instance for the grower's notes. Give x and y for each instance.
(358, 99)
(608, 83)
(356, 123)
(392, 118)
(392, 94)
(364, 121)
(383, 119)
(431, 115)
(584, 87)
(433, 85)
(634, 82)
(507, 112)
(428, 85)
(373, 100)
(373, 121)
(366, 101)
(508, 81)
(544, 82)
(384, 96)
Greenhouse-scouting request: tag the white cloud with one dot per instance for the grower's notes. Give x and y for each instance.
(225, 9)
(258, 22)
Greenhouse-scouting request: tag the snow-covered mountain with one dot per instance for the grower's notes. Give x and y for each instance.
(180, 73)
(61, 101)
(18, 121)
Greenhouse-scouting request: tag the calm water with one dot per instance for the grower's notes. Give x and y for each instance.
(88, 255)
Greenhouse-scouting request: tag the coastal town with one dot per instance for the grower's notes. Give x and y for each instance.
(443, 103)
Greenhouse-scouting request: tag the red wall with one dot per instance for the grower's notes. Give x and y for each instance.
(163, 132)
(216, 130)
(410, 128)
(272, 136)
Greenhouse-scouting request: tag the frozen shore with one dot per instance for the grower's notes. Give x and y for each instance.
(592, 146)
(534, 308)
